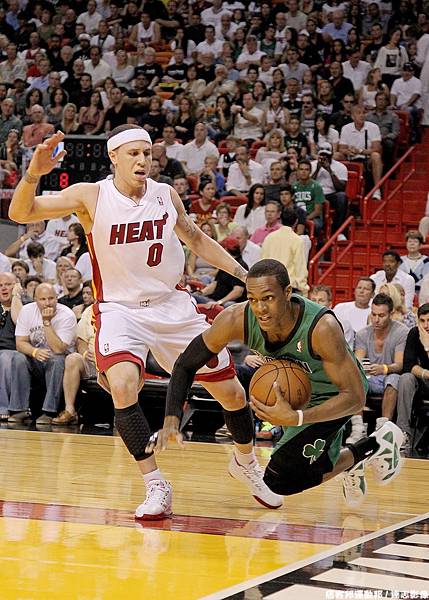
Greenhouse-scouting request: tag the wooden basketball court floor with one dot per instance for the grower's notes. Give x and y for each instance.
(67, 529)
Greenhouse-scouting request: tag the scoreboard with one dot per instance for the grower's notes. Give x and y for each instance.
(86, 161)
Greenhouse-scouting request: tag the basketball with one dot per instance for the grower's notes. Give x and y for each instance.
(292, 380)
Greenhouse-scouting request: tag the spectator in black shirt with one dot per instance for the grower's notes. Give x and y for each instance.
(341, 86)
(370, 51)
(415, 378)
(343, 116)
(82, 95)
(54, 52)
(138, 97)
(150, 68)
(84, 47)
(154, 120)
(176, 72)
(170, 24)
(292, 100)
(72, 280)
(196, 30)
(206, 67)
(119, 113)
(170, 167)
(308, 53)
(294, 138)
(72, 83)
(10, 359)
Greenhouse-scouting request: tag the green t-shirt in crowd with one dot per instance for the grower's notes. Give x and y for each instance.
(308, 195)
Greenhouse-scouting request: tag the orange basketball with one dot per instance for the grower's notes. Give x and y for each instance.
(292, 380)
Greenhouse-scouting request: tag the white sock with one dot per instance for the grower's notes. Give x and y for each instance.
(153, 476)
(357, 420)
(244, 458)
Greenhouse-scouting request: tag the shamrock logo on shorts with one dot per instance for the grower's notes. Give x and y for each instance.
(314, 451)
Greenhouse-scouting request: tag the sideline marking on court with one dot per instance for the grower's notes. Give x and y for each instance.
(250, 583)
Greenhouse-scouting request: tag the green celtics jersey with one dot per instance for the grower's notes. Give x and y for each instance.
(297, 347)
(307, 195)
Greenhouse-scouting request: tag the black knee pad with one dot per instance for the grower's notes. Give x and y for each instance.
(289, 481)
(240, 424)
(134, 430)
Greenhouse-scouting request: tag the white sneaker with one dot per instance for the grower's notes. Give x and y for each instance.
(359, 430)
(376, 195)
(157, 506)
(380, 422)
(386, 462)
(341, 238)
(406, 443)
(354, 485)
(252, 476)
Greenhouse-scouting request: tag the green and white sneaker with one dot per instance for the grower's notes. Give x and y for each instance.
(354, 485)
(386, 463)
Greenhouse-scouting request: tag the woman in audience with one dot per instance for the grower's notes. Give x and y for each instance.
(336, 52)
(184, 120)
(181, 40)
(88, 299)
(21, 270)
(77, 242)
(353, 40)
(197, 267)
(391, 58)
(69, 123)
(105, 89)
(309, 83)
(91, 118)
(154, 120)
(260, 95)
(63, 264)
(372, 85)
(219, 119)
(274, 149)
(11, 153)
(325, 98)
(193, 86)
(400, 311)
(34, 96)
(276, 116)
(323, 132)
(279, 84)
(292, 159)
(224, 224)
(203, 208)
(252, 214)
(122, 72)
(55, 108)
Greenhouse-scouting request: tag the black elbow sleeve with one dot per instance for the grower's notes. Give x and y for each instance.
(188, 363)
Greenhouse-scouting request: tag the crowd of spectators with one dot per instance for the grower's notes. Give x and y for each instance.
(256, 111)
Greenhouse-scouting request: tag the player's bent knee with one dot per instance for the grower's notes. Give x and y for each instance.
(124, 393)
(288, 482)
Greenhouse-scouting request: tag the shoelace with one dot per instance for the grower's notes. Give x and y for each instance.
(157, 491)
(254, 472)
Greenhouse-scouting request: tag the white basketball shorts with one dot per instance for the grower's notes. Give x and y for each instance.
(165, 328)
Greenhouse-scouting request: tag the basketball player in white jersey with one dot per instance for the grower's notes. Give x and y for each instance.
(133, 226)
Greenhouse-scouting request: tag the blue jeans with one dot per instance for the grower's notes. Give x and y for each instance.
(378, 383)
(15, 381)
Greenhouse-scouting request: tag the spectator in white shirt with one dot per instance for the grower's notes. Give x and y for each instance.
(194, 153)
(361, 141)
(35, 233)
(91, 19)
(248, 119)
(96, 67)
(250, 55)
(226, 29)
(405, 95)
(250, 252)
(210, 43)
(391, 273)
(39, 265)
(214, 14)
(332, 176)
(356, 69)
(58, 228)
(252, 214)
(355, 314)
(243, 173)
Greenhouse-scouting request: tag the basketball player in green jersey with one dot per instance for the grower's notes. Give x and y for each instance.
(275, 323)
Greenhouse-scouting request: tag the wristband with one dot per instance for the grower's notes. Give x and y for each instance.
(33, 354)
(46, 323)
(300, 418)
(385, 370)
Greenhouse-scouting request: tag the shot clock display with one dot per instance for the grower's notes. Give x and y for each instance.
(86, 160)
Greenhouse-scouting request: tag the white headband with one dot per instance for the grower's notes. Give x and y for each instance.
(129, 135)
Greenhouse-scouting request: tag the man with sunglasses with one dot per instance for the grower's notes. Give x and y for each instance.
(10, 302)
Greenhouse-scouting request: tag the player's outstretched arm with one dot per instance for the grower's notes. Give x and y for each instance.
(200, 244)
(25, 206)
(227, 326)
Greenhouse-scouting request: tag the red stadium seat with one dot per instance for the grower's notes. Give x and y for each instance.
(255, 147)
(234, 200)
(193, 183)
(210, 313)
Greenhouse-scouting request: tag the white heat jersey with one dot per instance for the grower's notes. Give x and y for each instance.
(136, 256)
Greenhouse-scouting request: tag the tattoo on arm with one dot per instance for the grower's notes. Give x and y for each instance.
(189, 226)
(240, 273)
(31, 178)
